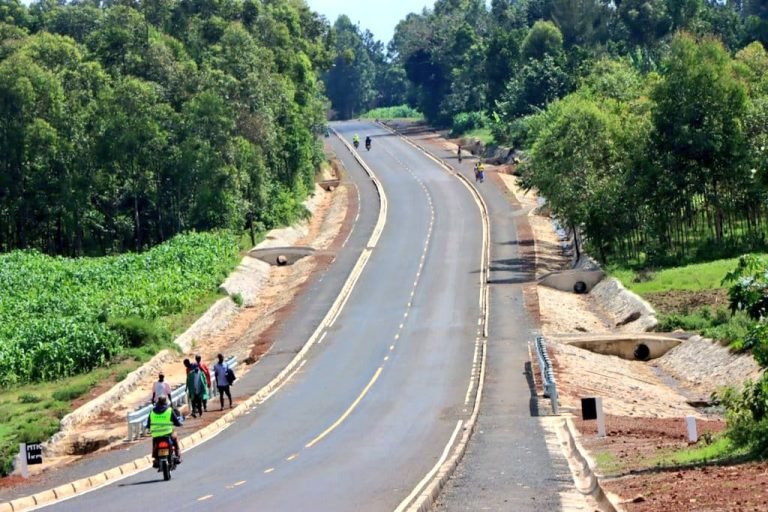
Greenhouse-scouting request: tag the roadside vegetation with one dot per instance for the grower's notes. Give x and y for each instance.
(403, 112)
(142, 145)
(60, 317)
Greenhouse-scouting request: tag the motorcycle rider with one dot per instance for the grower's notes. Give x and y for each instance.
(356, 140)
(368, 142)
(160, 423)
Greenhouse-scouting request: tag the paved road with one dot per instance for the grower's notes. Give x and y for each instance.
(371, 410)
(507, 465)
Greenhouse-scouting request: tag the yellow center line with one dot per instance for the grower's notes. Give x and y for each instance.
(206, 497)
(241, 482)
(292, 456)
(268, 470)
(347, 412)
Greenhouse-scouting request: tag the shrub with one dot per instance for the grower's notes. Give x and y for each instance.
(237, 299)
(29, 398)
(38, 430)
(395, 112)
(139, 332)
(747, 415)
(71, 392)
(464, 122)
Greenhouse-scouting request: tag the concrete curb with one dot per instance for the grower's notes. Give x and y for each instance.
(424, 501)
(50, 496)
(586, 480)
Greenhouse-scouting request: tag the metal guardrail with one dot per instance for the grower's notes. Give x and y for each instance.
(547, 373)
(137, 419)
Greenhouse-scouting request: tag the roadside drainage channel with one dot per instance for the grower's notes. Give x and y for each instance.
(93, 482)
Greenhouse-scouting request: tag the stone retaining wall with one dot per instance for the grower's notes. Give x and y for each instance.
(631, 312)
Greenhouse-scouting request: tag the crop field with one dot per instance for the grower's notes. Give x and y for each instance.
(61, 317)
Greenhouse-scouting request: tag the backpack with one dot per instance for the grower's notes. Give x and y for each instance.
(231, 376)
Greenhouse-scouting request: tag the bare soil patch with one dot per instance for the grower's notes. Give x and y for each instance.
(687, 301)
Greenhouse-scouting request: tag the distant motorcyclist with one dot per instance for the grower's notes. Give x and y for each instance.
(356, 140)
(161, 421)
(368, 143)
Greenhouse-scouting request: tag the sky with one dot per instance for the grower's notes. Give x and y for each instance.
(378, 16)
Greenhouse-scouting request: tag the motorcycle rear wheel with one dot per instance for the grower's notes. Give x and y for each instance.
(166, 468)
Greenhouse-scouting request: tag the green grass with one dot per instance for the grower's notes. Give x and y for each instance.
(482, 134)
(397, 112)
(607, 463)
(32, 413)
(720, 449)
(698, 276)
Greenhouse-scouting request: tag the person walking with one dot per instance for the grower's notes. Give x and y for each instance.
(187, 366)
(207, 372)
(160, 388)
(458, 152)
(197, 389)
(220, 371)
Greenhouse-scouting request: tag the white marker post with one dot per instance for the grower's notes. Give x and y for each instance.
(693, 435)
(600, 417)
(23, 468)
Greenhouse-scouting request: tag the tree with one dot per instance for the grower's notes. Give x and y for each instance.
(543, 39)
(350, 82)
(698, 125)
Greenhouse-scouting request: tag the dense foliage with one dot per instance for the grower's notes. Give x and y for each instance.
(62, 316)
(122, 124)
(645, 121)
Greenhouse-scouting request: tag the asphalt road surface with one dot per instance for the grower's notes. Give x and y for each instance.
(371, 410)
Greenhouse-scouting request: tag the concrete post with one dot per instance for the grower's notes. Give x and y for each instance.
(23, 468)
(600, 417)
(693, 435)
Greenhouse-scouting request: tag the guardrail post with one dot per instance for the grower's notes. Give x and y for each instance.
(547, 374)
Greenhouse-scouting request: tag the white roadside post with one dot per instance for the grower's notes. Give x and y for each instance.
(600, 417)
(693, 435)
(23, 468)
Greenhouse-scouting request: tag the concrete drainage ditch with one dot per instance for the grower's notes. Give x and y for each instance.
(634, 347)
(281, 256)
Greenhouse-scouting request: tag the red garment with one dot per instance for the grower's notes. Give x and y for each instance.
(207, 372)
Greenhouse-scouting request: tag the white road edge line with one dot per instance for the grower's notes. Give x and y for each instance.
(437, 481)
(432, 472)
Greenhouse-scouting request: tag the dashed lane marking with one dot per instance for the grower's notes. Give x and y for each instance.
(348, 411)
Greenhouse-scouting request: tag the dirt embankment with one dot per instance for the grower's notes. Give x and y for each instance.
(241, 331)
(645, 403)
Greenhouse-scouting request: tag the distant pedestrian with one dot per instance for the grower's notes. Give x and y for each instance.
(479, 172)
(197, 389)
(161, 388)
(221, 373)
(458, 152)
(207, 372)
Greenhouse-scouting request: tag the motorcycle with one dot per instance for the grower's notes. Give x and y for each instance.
(164, 459)
(356, 143)
(367, 145)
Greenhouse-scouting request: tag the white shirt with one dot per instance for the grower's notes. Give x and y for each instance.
(161, 389)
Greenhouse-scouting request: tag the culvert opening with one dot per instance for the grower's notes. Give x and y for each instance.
(642, 352)
(580, 287)
(281, 260)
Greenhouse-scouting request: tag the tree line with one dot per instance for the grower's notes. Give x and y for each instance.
(644, 122)
(123, 123)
